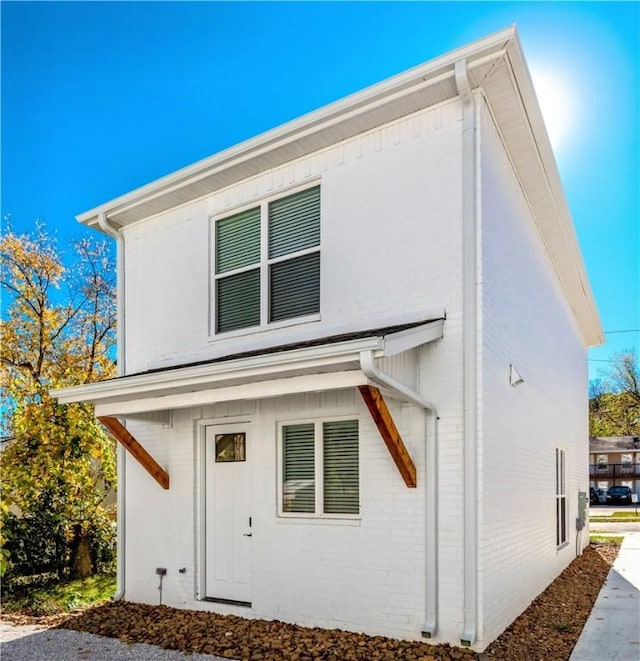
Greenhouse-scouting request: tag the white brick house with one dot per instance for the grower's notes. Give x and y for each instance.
(356, 346)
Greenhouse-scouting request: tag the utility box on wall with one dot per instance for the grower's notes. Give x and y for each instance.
(582, 510)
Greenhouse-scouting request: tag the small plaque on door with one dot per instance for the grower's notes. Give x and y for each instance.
(230, 447)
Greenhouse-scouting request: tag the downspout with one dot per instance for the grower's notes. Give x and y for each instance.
(367, 365)
(470, 359)
(112, 231)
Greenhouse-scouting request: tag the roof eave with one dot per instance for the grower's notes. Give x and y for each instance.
(491, 46)
(214, 374)
(306, 361)
(212, 173)
(568, 261)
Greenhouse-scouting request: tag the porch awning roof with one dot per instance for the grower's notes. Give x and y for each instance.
(320, 364)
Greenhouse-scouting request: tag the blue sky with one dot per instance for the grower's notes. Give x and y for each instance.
(99, 98)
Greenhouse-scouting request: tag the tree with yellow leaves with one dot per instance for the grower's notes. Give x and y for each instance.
(58, 469)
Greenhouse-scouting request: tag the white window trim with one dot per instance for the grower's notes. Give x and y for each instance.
(200, 477)
(263, 265)
(318, 476)
(561, 494)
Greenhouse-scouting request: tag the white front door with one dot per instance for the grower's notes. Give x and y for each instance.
(228, 515)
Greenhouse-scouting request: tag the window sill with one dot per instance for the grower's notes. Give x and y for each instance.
(257, 330)
(336, 520)
(562, 546)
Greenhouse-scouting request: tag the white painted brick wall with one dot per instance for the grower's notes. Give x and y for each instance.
(389, 200)
(525, 321)
(391, 252)
(364, 575)
(391, 228)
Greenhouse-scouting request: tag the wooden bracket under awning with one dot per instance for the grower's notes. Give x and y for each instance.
(390, 434)
(122, 435)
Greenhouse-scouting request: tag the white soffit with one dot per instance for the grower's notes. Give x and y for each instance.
(511, 97)
(413, 337)
(401, 95)
(255, 390)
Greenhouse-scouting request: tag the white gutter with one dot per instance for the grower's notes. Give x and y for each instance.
(367, 365)
(215, 374)
(470, 359)
(308, 125)
(109, 229)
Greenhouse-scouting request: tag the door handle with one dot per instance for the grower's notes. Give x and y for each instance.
(247, 534)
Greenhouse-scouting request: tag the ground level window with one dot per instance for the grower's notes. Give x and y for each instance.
(561, 498)
(320, 468)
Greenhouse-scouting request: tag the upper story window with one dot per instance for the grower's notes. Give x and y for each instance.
(267, 262)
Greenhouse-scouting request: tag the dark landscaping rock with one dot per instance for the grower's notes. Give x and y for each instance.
(547, 630)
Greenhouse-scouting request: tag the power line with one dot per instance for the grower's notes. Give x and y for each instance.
(630, 330)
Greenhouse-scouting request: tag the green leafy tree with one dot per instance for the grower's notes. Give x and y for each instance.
(58, 471)
(614, 401)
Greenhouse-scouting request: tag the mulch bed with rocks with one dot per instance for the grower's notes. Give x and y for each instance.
(548, 629)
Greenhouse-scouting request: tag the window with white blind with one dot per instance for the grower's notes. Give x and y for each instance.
(267, 263)
(561, 498)
(320, 468)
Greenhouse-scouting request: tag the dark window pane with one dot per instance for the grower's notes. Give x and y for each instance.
(341, 474)
(298, 450)
(238, 240)
(230, 447)
(294, 223)
(238, 301)
(295, 287)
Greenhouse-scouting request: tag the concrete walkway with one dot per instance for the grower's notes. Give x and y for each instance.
(612, 632)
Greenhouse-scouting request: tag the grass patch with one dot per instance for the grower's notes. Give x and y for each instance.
(620, 514)
(615, 519)
(606, 539)
(47, 596)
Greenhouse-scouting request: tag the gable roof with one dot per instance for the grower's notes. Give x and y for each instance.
(496, 64)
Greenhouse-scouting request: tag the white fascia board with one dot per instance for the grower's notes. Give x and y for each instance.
(413, 337)
(490, 46)
(569, 262)
(255, 390)
(210, 375)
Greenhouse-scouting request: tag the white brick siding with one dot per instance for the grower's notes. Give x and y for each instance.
(389, 200)
(391, 251)
(526, 322)
(363, 575)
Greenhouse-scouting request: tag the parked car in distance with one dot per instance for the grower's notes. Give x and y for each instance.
(619, 494)
(593, 496)
(602, 495)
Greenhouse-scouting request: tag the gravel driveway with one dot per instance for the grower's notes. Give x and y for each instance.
(31, 643)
